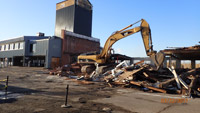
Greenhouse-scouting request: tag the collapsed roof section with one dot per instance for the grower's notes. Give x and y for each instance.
(184, 53)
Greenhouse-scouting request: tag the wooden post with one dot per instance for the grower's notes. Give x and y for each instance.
(66, 99)
(6, 88)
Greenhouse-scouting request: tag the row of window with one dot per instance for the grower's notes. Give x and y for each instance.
(12, 46)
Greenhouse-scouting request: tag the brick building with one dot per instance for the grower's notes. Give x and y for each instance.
(74, 44)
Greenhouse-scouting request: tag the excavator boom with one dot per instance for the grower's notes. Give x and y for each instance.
(146, 36)
(105, 54)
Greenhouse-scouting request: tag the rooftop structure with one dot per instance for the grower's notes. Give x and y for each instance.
(74, 16)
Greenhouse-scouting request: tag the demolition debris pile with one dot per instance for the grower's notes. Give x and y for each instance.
(143, 76)
(165, 81)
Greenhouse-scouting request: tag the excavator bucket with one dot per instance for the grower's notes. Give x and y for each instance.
(158, 59)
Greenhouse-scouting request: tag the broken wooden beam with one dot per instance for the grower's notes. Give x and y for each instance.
(128, 74)
(149, 77)
(193, 84)
(140, 62)
(136, 83)
(118, 83)
(184, 75)
(110, 84)
(156, 89)
(149, 87)
(145, 74)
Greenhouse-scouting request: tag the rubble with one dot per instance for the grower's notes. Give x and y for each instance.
(143, 76)
(187, 83)
(107, 110)
(164, 81)
(62, 71)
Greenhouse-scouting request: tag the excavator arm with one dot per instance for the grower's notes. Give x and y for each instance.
(104, 56)
(145, 32)
(114, 38)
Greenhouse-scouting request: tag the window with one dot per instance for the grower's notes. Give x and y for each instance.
(21, 45)
(2, 47)
(32, 48)
(16, 46)
(11, 46)
(7, 47)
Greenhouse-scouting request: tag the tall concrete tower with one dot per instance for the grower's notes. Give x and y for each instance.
(74, 16)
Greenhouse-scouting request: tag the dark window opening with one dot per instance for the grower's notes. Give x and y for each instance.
(32, 48)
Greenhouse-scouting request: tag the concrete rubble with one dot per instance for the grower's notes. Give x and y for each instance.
(185, 82)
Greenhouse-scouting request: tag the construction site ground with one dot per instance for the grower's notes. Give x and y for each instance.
(33, 90)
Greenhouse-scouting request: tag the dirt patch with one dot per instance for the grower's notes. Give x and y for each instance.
(43, 93)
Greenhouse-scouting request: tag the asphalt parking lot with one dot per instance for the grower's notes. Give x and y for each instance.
(32, 90)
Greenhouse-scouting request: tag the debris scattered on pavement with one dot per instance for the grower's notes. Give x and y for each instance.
(141, 75)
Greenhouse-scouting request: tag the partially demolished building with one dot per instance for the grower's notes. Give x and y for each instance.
(191, 54)
(73, 31)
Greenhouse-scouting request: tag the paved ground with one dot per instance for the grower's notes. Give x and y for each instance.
(143, 102)
(33, 91)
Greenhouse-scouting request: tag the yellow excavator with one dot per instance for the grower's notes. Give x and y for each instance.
(103, 59)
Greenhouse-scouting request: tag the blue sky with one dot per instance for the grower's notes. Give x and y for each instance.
(174, 23)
